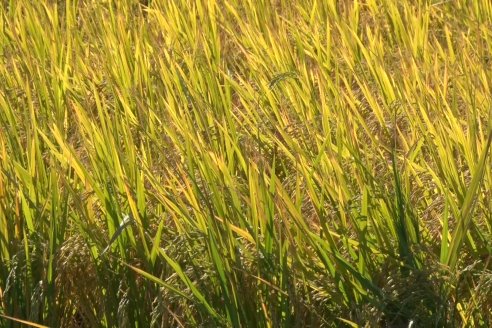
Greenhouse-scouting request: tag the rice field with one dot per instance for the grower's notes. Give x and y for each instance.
(245, 163)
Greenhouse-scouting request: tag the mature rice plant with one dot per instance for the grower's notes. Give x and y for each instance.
(253, 163)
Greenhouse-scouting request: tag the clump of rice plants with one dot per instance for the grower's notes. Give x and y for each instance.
(227, 163)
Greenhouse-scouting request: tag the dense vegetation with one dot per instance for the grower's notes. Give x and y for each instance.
(246, 163)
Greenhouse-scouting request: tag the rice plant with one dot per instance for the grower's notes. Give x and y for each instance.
(245, 163)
